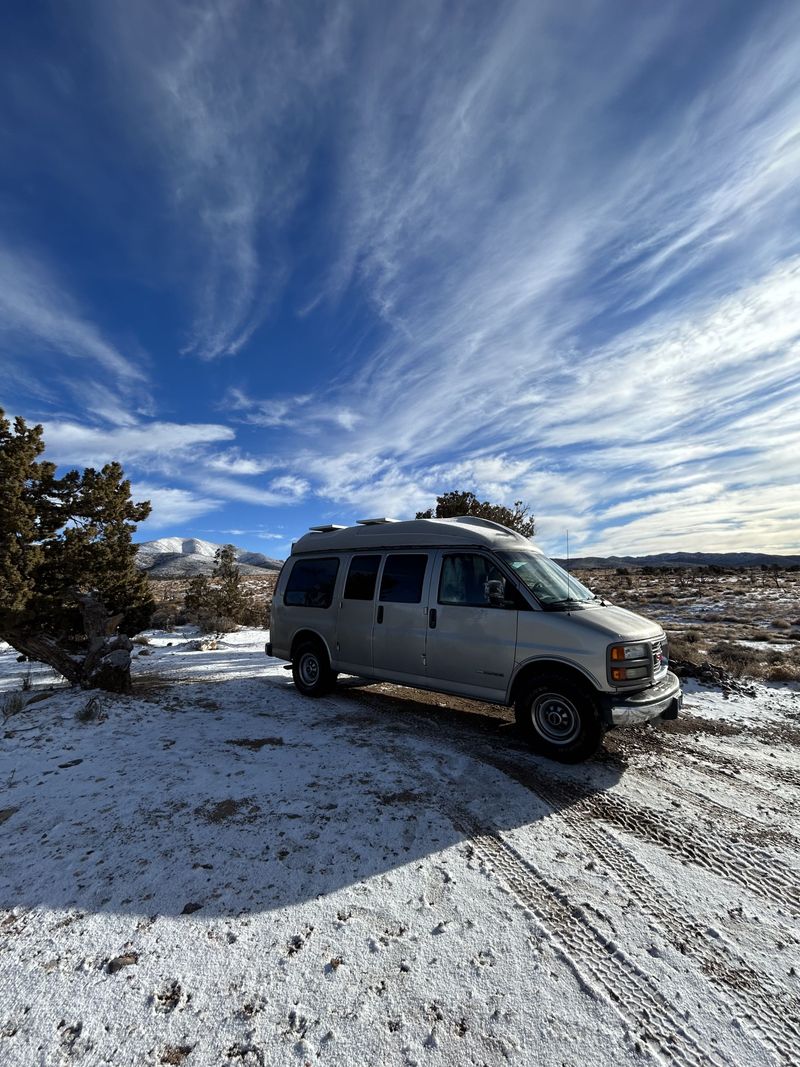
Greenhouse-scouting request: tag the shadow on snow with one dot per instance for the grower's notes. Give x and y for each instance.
(240, 795)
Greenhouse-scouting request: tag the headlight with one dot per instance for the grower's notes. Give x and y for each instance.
(629, 663)
(622, 652)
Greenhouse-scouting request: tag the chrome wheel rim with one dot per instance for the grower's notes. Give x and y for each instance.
(555, 718)
(308, 669)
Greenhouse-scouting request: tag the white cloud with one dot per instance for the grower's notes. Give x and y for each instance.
(171, 507)
(155, 442)
(279, 493)
(233, 462)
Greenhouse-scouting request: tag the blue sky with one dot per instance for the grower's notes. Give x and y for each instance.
(304, 262)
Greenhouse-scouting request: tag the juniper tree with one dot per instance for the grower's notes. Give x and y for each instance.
(458, 502)
(198, 600)
(230, 601)
(217, 603)
(68, 578)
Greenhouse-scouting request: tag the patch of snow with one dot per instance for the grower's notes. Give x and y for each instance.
(222, 872)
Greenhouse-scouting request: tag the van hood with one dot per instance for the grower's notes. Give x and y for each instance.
(617, 623)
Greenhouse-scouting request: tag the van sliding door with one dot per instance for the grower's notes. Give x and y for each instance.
(401, 617)
(357, 614)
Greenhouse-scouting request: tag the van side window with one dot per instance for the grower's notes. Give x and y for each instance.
(470, 580)
(311, 583)
(361, 578)
(402, 579)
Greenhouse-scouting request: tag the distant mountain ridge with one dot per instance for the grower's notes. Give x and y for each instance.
(685, 559)
(185, 557)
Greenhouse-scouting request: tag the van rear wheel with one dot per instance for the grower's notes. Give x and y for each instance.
(311, 669)
(559, 720)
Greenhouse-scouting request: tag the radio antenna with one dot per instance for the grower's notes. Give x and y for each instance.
(569, 590)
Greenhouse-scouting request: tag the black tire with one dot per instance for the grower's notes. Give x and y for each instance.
(559, 719)
(311, 669)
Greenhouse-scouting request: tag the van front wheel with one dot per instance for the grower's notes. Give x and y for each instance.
(559, 720)
(311, 670)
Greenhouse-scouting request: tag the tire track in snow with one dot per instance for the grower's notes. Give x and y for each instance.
(599, 963)
(746, 825)
(712, 851)
(773, 1014)
(731, 764)
(707, 849)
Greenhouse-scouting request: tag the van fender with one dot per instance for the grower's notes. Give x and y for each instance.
(305, 634)
(538, 666)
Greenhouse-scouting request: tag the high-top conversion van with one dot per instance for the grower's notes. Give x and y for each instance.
(469, 607)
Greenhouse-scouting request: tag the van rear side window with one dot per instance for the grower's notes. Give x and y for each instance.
(402, 579)
(361, 578)
(311, 583)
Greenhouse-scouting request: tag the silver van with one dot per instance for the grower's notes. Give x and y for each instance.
(469, 607)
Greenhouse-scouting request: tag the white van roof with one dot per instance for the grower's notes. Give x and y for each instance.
(415, 533)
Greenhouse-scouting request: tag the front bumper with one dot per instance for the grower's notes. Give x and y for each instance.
(659, 701)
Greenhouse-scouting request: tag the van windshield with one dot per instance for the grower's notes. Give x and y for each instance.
(549, 583)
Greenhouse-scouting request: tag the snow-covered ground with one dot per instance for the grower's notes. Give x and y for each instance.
(220, 871)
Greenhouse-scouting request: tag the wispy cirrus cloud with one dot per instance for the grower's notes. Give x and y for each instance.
(44, 329)
(231, 94)
(613, 306)
(543, 256)
(278, 493)
(301, 412)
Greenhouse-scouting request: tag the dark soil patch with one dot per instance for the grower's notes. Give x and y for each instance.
(6, 813)
(406, 796)
(127, 960)
(620, 745)
(690, 724)
(227, 809)
(777, 732)
(254, 743)
(175, 1054)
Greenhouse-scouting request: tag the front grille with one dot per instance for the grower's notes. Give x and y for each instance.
(659, 657)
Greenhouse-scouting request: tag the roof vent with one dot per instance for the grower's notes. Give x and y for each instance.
(325, 529)
(373, 522)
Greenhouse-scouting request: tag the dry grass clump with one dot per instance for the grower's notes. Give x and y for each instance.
(782, 672)
(684, 646)
(167, 615)
(781, 624)
(736, 660)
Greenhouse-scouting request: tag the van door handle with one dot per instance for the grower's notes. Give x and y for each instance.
(432, 618)
(380, 613)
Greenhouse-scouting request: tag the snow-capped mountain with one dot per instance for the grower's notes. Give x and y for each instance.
(184, 557)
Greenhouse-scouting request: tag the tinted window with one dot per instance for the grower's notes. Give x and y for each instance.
(311, 583)
(361, 578)
(473, 581)
(402, 579)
